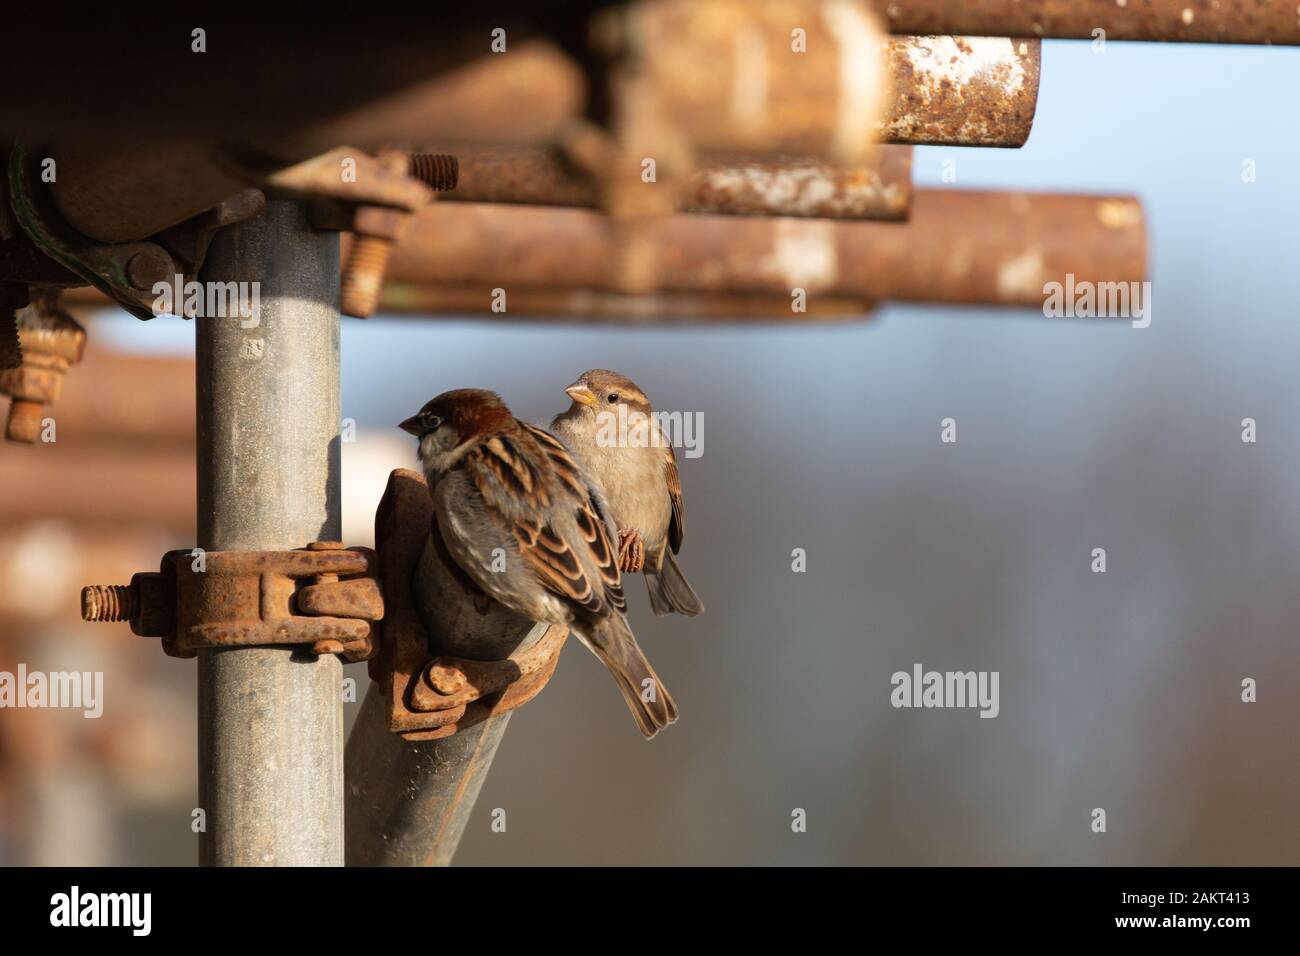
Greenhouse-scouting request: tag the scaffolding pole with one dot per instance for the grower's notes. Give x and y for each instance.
(270, 718)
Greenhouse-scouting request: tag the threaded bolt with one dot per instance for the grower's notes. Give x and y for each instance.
(24, 421)
(363, 276)
(108, 602)
(436, 170)
(363, 273)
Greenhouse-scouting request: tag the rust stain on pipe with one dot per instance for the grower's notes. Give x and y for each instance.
(962, 90)
(789, 186)
(880, 188)
(1196, 21)
(961, 247)
(816, 79)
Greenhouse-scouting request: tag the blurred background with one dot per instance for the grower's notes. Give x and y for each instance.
(1118, 690)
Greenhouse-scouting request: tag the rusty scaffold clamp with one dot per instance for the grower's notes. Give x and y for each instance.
(353, 602)
(323, 596)
(431, 695)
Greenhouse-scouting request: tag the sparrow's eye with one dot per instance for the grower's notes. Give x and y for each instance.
(613, 398)
(432, 422)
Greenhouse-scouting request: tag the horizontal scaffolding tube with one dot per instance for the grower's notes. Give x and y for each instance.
(961, 247)
(729, 81)
(880, 188)
(568, 305)
(1193, 21)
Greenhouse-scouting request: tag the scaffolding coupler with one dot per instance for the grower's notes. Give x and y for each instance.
(330, 599)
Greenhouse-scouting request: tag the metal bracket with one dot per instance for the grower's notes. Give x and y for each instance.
(432, 698)
(323, 596)
(375, 203)
(332, 600)
(125, 272)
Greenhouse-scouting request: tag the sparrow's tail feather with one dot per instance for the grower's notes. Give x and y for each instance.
(669, 590)
(653, 708)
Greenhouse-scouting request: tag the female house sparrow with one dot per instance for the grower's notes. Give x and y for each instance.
(497, 482)
(639, 478)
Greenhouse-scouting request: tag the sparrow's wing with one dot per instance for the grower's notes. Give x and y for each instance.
(569, 472)
(591, 513)
(677, 527)
(520, 486)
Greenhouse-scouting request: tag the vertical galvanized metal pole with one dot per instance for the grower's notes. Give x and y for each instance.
(270, 719)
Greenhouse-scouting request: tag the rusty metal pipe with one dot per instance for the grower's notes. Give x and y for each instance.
(807, 78)
(961, 90)
(959, 247)
(879, 188)
(1194, 21)
(586, 305)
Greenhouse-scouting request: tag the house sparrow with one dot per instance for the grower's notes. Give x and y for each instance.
(497, 482)
(639, 478)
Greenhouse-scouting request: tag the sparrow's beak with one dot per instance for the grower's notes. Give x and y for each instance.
(412, 426)
(580, 393)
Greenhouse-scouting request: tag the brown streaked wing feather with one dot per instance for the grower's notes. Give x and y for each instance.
(594, 532)
(677, 527)
(514, 470)
(546, 552)
(544, 437)
(559, 570)
(593, 523)
(565, 467)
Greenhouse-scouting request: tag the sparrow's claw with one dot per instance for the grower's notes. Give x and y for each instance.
(631, 551)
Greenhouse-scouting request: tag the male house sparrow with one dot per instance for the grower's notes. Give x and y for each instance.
(639, 478)
(497, 482)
